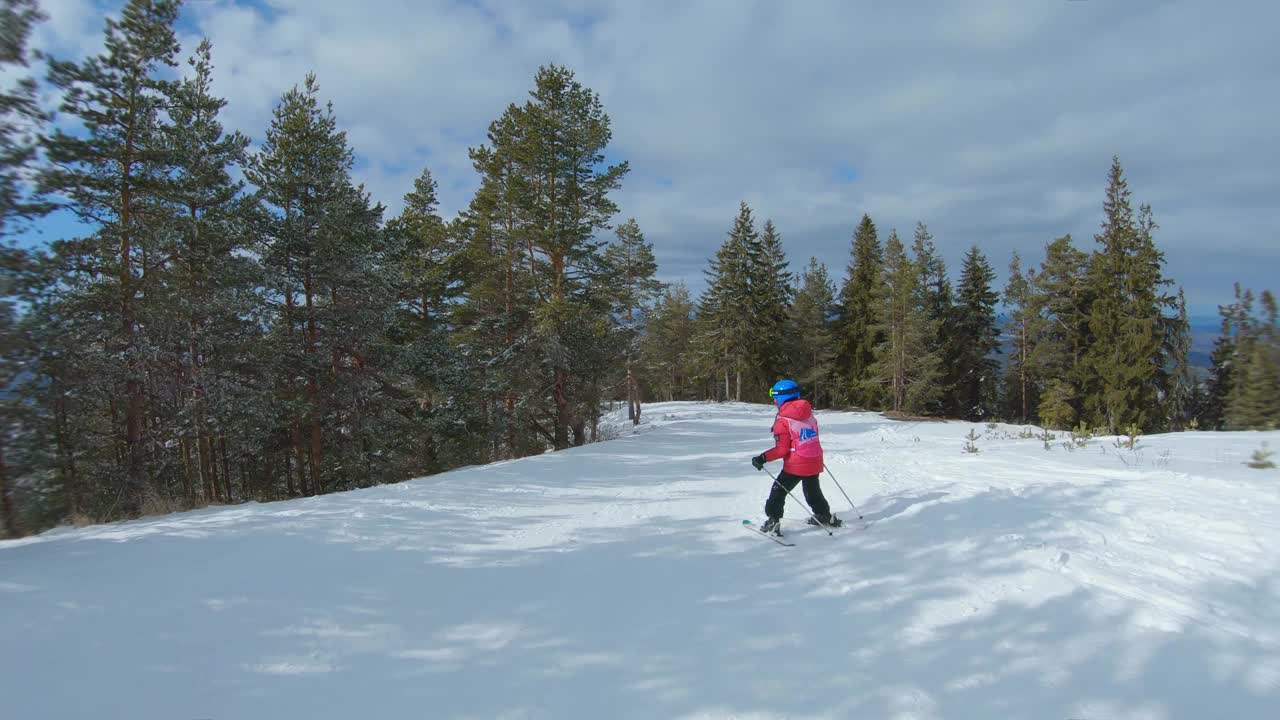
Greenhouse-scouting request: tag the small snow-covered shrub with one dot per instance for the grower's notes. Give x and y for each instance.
(1261, 459)
(1081, 435)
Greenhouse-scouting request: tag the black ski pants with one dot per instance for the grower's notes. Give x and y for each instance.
(812, 495)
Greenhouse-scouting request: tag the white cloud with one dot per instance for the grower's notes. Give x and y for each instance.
(994, 121)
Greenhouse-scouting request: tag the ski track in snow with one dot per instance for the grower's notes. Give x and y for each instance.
(612, 581)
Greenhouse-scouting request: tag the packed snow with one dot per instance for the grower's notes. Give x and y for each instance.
(616, 581)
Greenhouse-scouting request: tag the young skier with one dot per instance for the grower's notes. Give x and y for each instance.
(795, 434)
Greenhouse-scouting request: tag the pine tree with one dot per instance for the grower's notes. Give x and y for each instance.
(544, 196)
(427, 258)
(975, 338)
(631, 260)
(110, 176)
(494, 318)
(322, 256)
(424, 367)
(11, 366)
(206, 299)
(1024, 328)
(21, 119)
(20, 122)
(564, 132)
(860, 309)
(813, 347)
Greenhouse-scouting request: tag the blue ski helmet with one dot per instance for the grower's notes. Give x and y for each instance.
(784, 390)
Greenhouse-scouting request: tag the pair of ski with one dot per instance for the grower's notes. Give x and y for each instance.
(753, 528)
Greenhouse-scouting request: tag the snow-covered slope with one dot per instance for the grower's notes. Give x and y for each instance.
(615, 581)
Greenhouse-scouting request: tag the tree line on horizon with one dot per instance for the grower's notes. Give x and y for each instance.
(208, 340)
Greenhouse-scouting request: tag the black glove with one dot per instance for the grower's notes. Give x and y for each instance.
(758, 461)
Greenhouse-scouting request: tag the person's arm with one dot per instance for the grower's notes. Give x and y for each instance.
(782, 442)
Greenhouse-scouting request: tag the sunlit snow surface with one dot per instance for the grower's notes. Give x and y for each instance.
(616, 581)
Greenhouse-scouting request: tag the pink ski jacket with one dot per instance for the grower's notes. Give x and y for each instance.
(795, 432)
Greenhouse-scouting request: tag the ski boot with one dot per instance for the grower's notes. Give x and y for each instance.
(772, 526)
(833, 521)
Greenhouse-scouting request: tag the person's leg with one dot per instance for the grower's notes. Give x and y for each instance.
(817, 502)
(778, 494)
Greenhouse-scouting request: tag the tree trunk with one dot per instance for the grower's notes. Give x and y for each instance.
(295, 429)
(299, 458)
(1023, 372)
(633, 396)
(133, 384)
(206, 467)
(8, 515)
(215, 488)
(509, 337)
(66, 460)
(187, 487)
(226, 466)
(288, 472)
(313, 385)
(563, 420)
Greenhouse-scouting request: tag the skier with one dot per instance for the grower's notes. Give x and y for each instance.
(795, 432)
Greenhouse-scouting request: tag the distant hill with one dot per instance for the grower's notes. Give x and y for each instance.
(1204, 330)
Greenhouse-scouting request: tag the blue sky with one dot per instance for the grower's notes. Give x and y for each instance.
(993, 121)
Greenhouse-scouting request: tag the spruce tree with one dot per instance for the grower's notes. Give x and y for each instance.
(1062, 298)
(631, 260)
(771, 296)
(667, 345)
(420, 363)
(975, 339)
(1226, 365)
(1178, 398)
(1024, 327)
(427, 258)
(1126, 368)
(1253, 394)
(904, 366)
(860, 316)
(813, 338)
(111, 176)
(1255, 405)
(728, 304)
(934, 296)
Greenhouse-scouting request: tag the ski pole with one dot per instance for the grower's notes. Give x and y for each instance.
(842, 492)
(806, 507)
